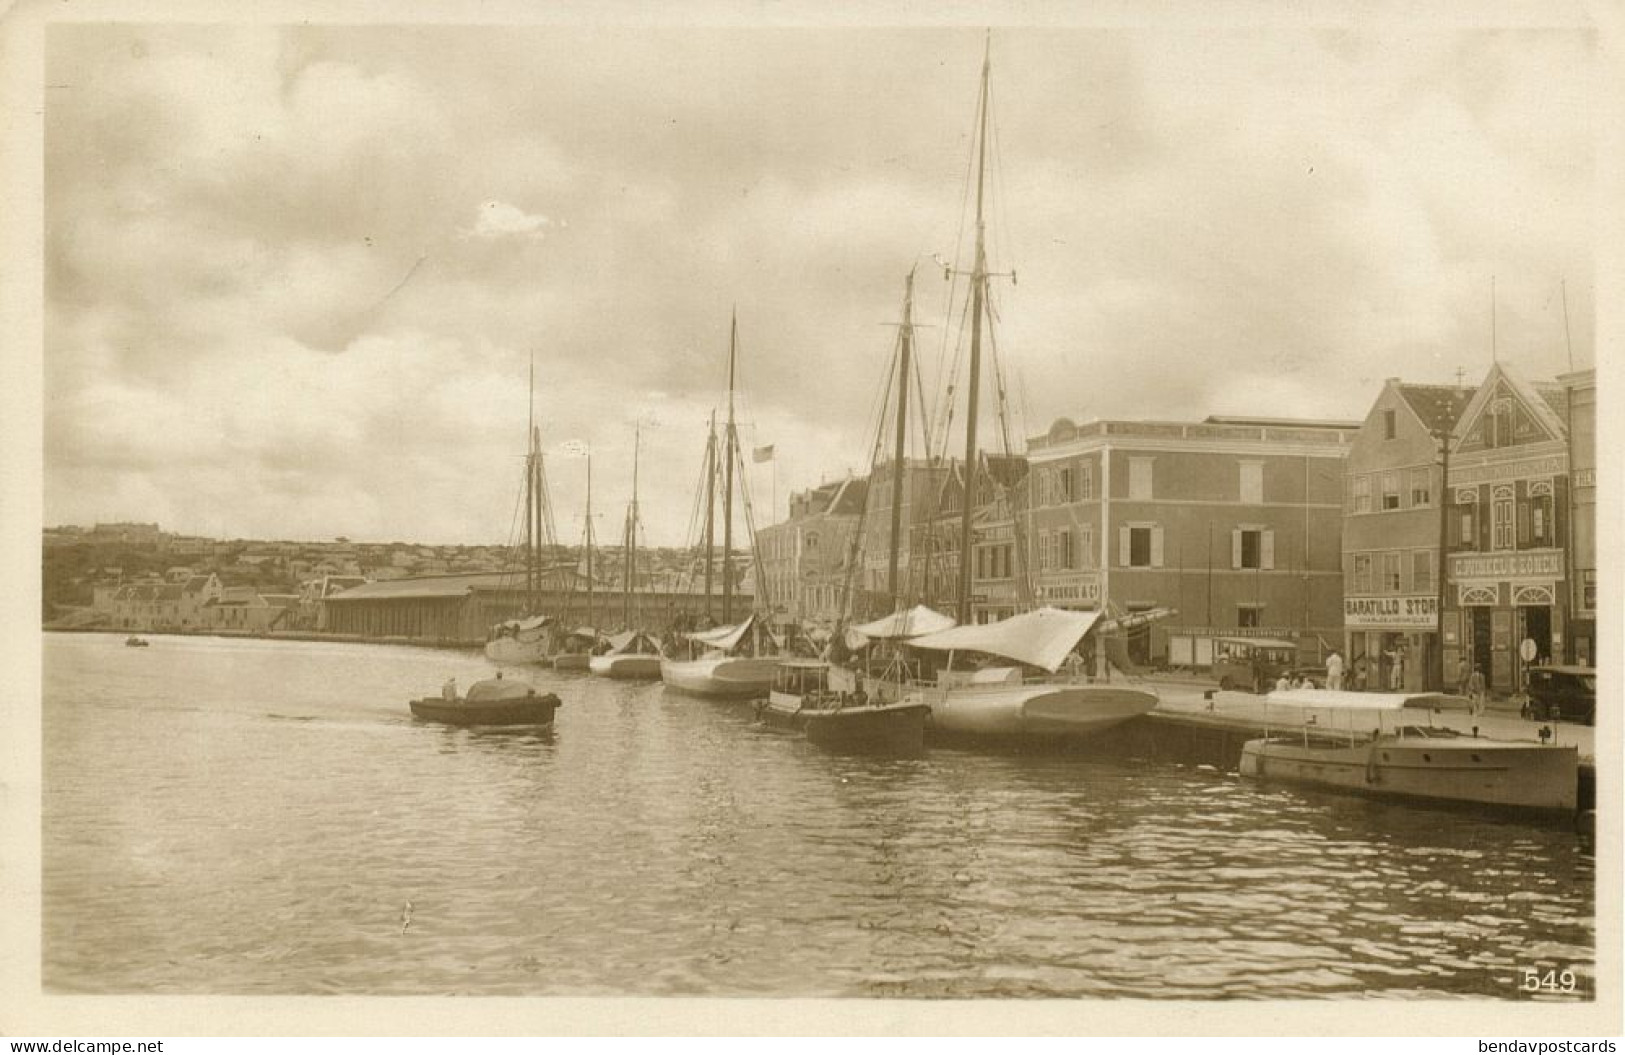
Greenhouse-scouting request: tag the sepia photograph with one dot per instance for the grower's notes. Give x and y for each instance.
(1015, 520)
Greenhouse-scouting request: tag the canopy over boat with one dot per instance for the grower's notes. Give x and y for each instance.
(1041, 638)
(723, 637)
(1331, 699)
(631, 640)
(498, 689)
(912, 622)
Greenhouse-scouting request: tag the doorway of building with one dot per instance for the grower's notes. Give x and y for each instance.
(1478, 640)
(1535, 624)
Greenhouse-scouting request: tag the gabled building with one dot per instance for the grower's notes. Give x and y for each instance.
(1512, 539)
(804, 559)
(1392, 528)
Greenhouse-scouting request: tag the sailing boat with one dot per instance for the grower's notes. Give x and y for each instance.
(529, 638)
(730, 665)
(994, 697)
(576, 648)
(632, 653)
(825, 700)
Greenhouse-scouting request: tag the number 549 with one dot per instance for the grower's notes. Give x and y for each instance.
(1552, 981)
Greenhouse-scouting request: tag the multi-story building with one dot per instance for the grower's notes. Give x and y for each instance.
(1581, 399)
(922, 490)
(804, 559)
(1392, 529)
(1000, 584)
(1514, 547)
(1232, 522)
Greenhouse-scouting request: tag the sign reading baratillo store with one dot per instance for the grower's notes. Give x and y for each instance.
(1410, 612)
(1494, 567)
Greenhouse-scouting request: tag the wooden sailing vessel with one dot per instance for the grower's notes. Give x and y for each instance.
(529, 638)
(576, 646)
(732, 661)
(997, 699)
(631, 654)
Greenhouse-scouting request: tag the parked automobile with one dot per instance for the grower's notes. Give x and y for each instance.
(1251, 664)
(1561, 693)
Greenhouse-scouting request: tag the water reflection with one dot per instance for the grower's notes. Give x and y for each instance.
(248, 817)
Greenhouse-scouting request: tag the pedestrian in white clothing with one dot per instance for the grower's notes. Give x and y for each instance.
(1334, 671)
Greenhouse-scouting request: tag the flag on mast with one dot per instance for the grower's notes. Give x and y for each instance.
(762, 454)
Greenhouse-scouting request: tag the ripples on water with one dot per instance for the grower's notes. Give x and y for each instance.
(226, 816)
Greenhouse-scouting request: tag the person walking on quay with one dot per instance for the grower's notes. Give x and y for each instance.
(1334, 671)
(1396, 672)
(1475, 690)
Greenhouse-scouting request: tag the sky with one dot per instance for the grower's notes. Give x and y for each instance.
(296, 276)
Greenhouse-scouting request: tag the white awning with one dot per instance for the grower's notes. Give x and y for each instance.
(910, 623)
(1330, 699)
(723, 637)
(1040, 639)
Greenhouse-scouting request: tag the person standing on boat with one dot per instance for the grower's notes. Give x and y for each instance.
(448, 691)
(1334, 671)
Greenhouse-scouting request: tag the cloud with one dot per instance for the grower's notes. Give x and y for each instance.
(296, 275)
(500, 220)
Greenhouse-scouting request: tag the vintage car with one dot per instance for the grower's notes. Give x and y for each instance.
(1561, 693)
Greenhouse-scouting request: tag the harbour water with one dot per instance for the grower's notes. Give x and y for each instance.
(255, 817)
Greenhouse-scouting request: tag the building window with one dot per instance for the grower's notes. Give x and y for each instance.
(1389, 425)
(1360, 494)
(1139, 546)
(1063, 480)
(1390, 490)
(1422, 571)
(1541, 531)
(1421, 487)
(1064, 557)
(1086, 482)
(1391, 582)
(1139, 479)
(1046, 551)
(1248, 615)
(812, 542)
(1252, 548)
(1502, 526)
(1252, 483)
(1086, 546)
(1465, 528)
(1500, 431)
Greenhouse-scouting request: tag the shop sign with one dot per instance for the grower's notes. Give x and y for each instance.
(1585, 478)
(1419, 612)
(1551, 465)
(1491, 567)
(1075, 590)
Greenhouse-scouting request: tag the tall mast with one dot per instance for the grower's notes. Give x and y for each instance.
(978, 283)
(631, 536)
(906, 345)
(730, 441)
(589, 539)
(710, 508)
(532, 498)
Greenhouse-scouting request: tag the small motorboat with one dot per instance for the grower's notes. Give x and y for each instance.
(494, 701)
(135, 642)
(1410, 761)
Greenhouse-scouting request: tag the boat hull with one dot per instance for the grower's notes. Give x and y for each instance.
(527, 710)
(720, 677)
(893, 728)
(511, 650)
(1046, 711)
(1523, 776)
(631, 666)
(572, 662)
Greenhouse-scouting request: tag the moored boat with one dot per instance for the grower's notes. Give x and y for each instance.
(529, 638)
(515, 641)
(135, 642)
(726, 668)
(576, 651)
(632, 655)
(1410, 761)
(494, 701)
(1029, 700)
(825, 704)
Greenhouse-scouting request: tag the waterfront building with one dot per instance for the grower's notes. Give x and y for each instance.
(923, 480)
(804, 559)
(1515, 550)
(461, 609)
(1233, 522)
(1000, 583)
(1392, 527)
